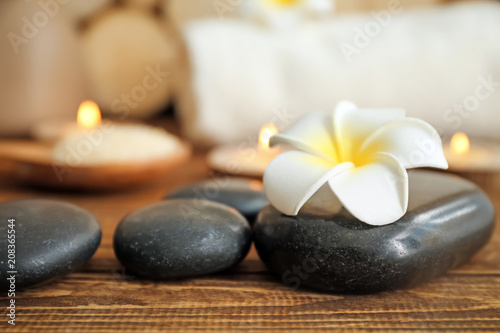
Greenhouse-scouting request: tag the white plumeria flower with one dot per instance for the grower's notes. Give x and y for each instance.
(360, 154)
(285, 14)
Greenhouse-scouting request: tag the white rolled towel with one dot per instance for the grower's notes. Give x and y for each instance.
(440, 64)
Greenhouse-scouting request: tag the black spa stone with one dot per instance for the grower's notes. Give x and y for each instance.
(51, 239)
(247, 196)
(448, 220)
(177, 238)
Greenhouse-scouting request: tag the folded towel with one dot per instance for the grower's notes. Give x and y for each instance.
(440, 64)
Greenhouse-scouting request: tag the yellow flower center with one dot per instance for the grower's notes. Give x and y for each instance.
(281, 3)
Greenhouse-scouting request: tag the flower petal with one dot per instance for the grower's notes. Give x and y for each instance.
(293, 177)
(352, 126)
(376, 193)
(412, 141)
(312, 133)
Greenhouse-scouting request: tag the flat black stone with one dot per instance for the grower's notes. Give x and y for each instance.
(448, 220)
(179, 238)
(247, 196)
(51, 239)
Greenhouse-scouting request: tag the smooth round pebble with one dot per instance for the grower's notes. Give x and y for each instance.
(181, 238)
(52, 238)
(245, 195)
(448, 220)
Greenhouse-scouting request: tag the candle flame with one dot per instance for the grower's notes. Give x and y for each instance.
(460, 144)
(266, 132)
(89, 116)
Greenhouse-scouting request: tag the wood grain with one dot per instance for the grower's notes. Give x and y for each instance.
(103, 298)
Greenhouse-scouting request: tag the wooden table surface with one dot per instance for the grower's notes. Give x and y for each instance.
(102, 298)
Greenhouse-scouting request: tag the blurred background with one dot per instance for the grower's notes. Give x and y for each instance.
(220, 69)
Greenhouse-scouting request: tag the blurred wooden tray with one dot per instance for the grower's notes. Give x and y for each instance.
(34, 166)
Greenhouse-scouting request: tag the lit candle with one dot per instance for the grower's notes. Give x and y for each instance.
(265, 134)
(464, 156)
(88, 117)
(92, 142)
(243, 159)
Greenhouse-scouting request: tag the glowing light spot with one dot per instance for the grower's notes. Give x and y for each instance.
(266, 132)
(460, 144)
(89, 116)
(282, 3)
(256, 185)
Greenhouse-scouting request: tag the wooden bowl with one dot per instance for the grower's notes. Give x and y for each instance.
(34, 166)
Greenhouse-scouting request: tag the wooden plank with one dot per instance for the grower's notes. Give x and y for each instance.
(103, 298)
